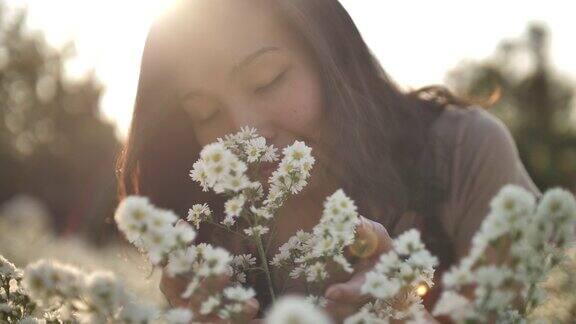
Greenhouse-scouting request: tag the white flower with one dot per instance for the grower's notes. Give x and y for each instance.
(300, 155)
(184, 233)
(245, 133)
(181, 260)
(263, 213)
(233, 207)
(45, 279)
(270, 154)
(387, 262)
(137, 313)
(513, 201)
(341, 261)
(161, 219)
(408, 242)
(244, 261)
(131, 216)
(423, 260)
(293, 171)
(215, 261)
(199, 213)
(316, 272)
(338, 203)
(237, 166)
(557, 203)
(493, 227)
(239, 293)
(297, 272)
(491, 275)
(457, 277)
(496, 299)
(255, 148)
(240, 277)
(256, 230)
(210, 305)
(454, 305)
(236, 183)
(218, 161)
(178, 316)
(295, 310)
(317, 301)
(337, 225)
(104, 292)
(280, 257)
(198, 174)
(364, 317)
(228, 221)
(379, 286)
(214, 153)
(8, 269)
(157, 242)
(325, 245)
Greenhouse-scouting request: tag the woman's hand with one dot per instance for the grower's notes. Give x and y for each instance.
(173, 287)
(344, 299)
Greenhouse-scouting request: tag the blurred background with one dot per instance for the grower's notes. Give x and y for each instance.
(69, 70)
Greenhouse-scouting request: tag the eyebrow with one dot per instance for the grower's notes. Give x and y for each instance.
(245, 62)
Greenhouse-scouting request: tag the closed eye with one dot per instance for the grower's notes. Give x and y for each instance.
(271, 84)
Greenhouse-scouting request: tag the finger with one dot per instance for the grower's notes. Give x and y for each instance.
(251, 308)
(340, 311)
(208, 286)
(344, 299)
(382, 235)
(349, 292)
(372, 240)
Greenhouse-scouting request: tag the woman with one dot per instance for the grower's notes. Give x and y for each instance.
(299, 70)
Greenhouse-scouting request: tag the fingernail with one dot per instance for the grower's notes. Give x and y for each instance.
(180, 221)
(333, 294)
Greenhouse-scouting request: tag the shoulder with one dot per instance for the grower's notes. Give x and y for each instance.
(480, 157)
(480, 151)
(474, 143)
(471, 126)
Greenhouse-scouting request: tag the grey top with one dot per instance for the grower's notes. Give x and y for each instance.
(484, 158)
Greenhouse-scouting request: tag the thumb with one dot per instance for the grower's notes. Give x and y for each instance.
(372, 239)
(348, 292)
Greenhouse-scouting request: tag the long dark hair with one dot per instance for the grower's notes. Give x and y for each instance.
(383, 133)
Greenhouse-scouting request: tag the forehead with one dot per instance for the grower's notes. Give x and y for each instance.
(211, 36)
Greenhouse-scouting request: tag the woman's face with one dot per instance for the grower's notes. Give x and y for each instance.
(237, 65)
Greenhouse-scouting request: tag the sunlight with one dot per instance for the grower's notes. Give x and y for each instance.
(109, 37)
(110, 34)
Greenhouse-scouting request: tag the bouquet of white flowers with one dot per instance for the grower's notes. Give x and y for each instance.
(249, 213)
(518, 244)
(51, 292)
(525, 241)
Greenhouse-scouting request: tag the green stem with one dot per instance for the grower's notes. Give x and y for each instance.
(272, 234)
(265, 266)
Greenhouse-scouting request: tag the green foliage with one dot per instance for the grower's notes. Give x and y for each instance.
(520, 85)
(53, 143)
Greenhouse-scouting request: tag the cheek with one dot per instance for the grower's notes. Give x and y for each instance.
(301, 105)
